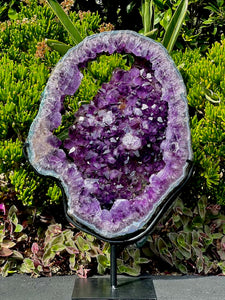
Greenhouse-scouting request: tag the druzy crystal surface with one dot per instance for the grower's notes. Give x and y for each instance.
(128, 148)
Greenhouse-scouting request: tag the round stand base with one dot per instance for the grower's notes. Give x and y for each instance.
(140, 288)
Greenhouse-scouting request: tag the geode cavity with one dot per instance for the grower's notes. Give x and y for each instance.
(128, 148)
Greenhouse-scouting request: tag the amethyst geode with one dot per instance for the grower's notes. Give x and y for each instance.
(128, 148)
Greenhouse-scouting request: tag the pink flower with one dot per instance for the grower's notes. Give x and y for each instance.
(2, 208)
(34, 248)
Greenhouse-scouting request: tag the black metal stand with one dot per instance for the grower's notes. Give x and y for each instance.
(127, 288)
(113, 267)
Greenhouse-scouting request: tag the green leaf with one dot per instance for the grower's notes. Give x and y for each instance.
(220, 3)
(173, 237)
(82, 244)
(5, 269)
(176, 218)
(185, 252)
(197, 251)
(72, 261)
(178, 254)
(90, 237)
(12, 215)
(13, 15)
(217, 235)
(187, 211)
(182, 268)
(63, 135)
(212, 8)
(100, 269)
(197, 222)
(162, 246)
(59, 239)
(181, 239)
(39, 268)
(130, 7)
(222, 266)
(174, 26)
(151, 33)
(18, 228)
(178, 204)
(167, 256)
(68, 234)
(135, 254)
(148, 16)
(200, 264)
(29, 263)
(195, 236)
(132, 271)
(60, 47)
(147, 251)
(58, 248)
(202, 206)
(166, 18)
(142, 260)
(102, 260)
(65, 20)
(48, 255)
(3, 8)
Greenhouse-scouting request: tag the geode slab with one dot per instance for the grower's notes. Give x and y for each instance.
(128, 149)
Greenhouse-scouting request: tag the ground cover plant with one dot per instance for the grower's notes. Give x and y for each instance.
(35, 238)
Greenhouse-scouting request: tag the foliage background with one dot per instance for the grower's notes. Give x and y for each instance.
(34, 235)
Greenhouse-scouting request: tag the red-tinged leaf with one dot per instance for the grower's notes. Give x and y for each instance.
(8, 244)
(17, 255)
(5, 252)
(36, 262)
(25, 224)
(54, 229)
(72, 250)
(22, 237)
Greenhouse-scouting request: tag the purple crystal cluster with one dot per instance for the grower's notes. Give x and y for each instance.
(128, 148)
(116, 138)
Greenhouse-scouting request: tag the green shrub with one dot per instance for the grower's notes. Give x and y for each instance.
(205, 80)
(20, 89)
(37, 22)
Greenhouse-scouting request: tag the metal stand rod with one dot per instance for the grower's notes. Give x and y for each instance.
(113, 271)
